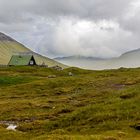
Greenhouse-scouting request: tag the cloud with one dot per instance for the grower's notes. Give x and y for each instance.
(93, 9)
(100, 28)
(131, 19)
(81, 37)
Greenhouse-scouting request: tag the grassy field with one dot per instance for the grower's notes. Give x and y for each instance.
(49, 104)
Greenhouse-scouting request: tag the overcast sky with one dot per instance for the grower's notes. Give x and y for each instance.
(98, 28)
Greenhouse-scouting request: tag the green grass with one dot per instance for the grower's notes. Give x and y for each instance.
(13, 80)
(92, 105)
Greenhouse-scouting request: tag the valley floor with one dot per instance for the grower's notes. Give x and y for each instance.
(90, 105)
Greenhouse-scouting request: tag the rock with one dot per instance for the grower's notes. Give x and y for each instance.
(70, 74)
(12, 127)
(57, 68)
(44, 65)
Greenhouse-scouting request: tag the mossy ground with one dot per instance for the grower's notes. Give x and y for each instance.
(88, 105)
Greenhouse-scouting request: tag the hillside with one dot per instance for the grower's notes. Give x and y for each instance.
(9, 46)
(127, 60)
(90, 105)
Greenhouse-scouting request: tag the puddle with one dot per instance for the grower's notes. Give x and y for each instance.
(119, 86)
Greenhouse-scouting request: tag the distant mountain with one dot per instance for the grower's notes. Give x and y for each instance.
(9, 47)
(78, 57)
(127, 60)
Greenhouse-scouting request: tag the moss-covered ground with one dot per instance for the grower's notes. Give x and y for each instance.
(90, 105)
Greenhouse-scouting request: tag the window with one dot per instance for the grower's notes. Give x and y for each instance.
(31, 62)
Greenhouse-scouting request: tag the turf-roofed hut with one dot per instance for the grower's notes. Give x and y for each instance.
(22, 60)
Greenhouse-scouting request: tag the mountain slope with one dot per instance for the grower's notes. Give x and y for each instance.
(9, 46)
(128, 60)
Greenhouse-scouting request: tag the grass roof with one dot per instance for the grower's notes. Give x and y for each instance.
(18, 60)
